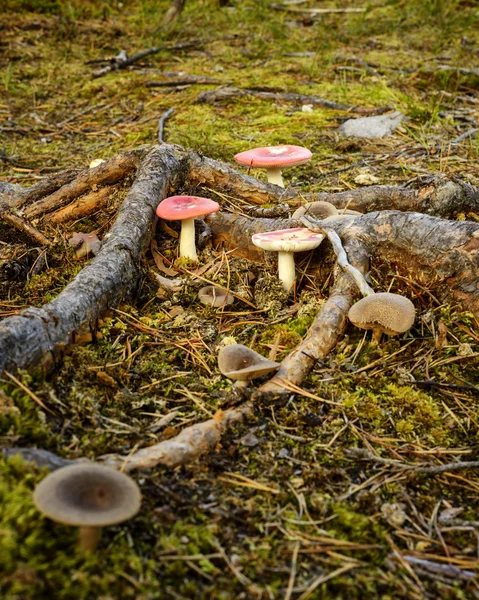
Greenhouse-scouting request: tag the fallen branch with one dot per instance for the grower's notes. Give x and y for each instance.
(447, 570)
(126, 62)
(226, 93)
(185, 80)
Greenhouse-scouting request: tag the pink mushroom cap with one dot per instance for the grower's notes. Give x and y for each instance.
(298, 239)
(177, 208)
(274, 156)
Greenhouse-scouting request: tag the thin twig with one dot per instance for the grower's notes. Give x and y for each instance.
(161, 124)
(341, 255)
(364, 454)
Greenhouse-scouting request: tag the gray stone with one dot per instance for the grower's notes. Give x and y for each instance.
(372, 127)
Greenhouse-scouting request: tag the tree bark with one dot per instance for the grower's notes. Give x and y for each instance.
(436, 252)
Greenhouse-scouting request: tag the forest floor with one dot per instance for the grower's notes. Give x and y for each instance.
(283, 508)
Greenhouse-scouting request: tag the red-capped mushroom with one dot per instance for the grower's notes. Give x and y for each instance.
(273, 159)
(285, 242)
(185, 209)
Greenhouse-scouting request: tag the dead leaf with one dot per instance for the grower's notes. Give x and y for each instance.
(105, 379)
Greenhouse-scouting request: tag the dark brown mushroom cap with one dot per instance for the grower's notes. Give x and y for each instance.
(318, 210)
(392, 313)
(213, 296)
(240, 363)
(87, 496)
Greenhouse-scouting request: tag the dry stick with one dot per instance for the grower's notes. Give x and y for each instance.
(111, 171)
(35, 333)
(225, 93)
(447, 570)
(172, 14)
(22, 225)
(161, 124)
(143, 54)
(364, 454)
(316, 11)
(185, 80)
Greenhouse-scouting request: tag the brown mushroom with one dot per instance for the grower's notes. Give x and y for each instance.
(318, 210)
(87, 496)
(242, 364)
(215, 297)
(383, 313)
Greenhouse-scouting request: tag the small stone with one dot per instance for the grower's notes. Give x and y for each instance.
(307, 108)
(465, 350)
(365, 177)
(249, 440)
(372, 127)
(283, 453)
(394, 514)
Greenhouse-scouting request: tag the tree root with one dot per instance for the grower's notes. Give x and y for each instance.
(188, 445)
(83, 206)
(327, 327)
(21, 225)
(438, 251)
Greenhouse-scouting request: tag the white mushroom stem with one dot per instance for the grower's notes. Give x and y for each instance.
(274, 176)
(187, 239)
(286, 269)
(88, 538)
(241, 384)
(342, 258)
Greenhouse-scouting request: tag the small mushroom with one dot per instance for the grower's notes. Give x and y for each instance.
(318, 210)
(213, 296)
(242, 364)
(96, 162)
(286, 242)
(273, 159)
(383, 313)
(87, 496)
(84, 243)
(186, 209)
